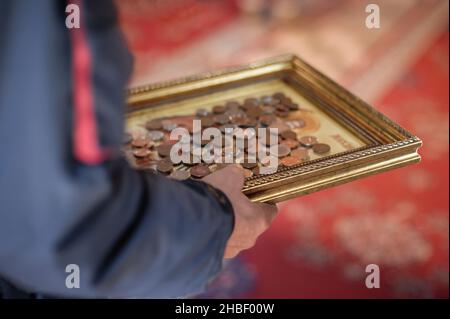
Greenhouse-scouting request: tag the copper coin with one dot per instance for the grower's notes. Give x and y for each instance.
(221, 119)
(191, 160)
(200, 170)
(278, 95)
(250, 102)
(286, 100)
(247, 173)
(154, 125)
(282, 108)
(268, 109)
(141, 141)
(256, 170)
(280, 126)
(141, 152)
(290, 143)
(218, 109)
(207, 121)
(232, 105)
(248, 165)
(164, 167)
(254, 112)
(321, 148)
(164, 150)
(283, 150)
(269, 138)
(289, 135)
(308, 141)
(300, 153)
(267, 120)
(180, 175)
(282, 113)
(290, 161)
(293, 106)
(248, 122)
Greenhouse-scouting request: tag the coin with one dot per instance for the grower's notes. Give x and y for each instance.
(156, 135)
(254, 112)
(308, 141)
(227, 127)
(247, 122)
(282, 113)
(200, 170)
(247, 173)
(250, 102)
(180, 175)
(293, 106)
(278, 95)
(154, 125)
(290, 143)
(202, 112)
(164, 150)
(248, 165)
(321, 148)
(140, 141)
(283, 150)
(207, 121)
(141, 152)
(266, 99)
(221, 119)
(290, 161)
(289, 135)
(282, 108)
(280, 126)
(164, 167)
(255, 170)
(267, 120)
(169, 127)
(300, 153)
(218, 109)
(232, 105)
(266, 160)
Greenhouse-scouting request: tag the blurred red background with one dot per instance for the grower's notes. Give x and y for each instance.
(320, 244)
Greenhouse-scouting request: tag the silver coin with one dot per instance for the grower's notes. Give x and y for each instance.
(169, 127)
(155, 135)
(266, 99)
(202, 112)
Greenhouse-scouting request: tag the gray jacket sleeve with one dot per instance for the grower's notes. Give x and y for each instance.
(131, 233)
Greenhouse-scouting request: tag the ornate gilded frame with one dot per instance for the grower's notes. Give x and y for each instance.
(388, 145)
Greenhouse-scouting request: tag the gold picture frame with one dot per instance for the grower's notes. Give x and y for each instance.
(380, 143)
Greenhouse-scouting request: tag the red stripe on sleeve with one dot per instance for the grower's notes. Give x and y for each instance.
(86, 145)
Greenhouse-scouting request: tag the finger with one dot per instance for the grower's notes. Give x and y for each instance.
(269, 210)
(236, 173)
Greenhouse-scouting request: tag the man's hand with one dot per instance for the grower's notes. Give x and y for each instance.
(251, 219)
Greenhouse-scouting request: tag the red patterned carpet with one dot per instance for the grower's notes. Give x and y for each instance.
(319, 244)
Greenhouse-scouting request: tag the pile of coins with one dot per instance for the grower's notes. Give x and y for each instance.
(151, 150)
